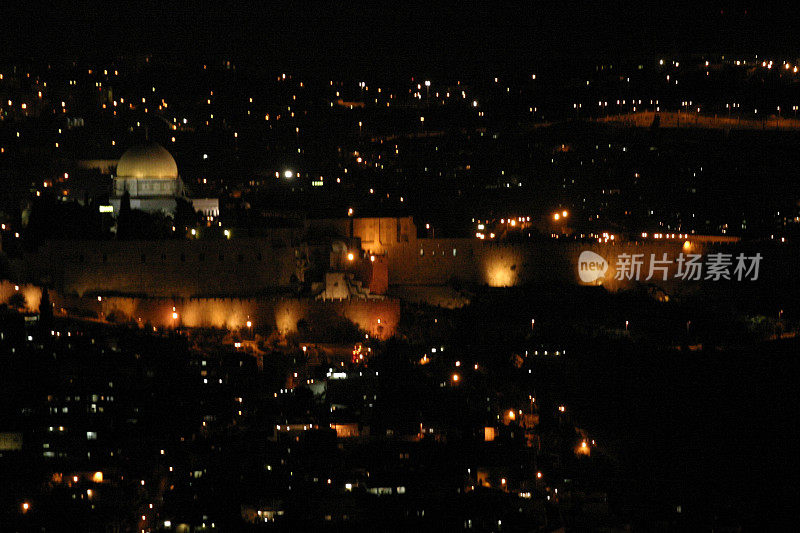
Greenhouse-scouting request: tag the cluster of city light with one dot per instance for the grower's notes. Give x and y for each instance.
(605, 237)
(645, 235)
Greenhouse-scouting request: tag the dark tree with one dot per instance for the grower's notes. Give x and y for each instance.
(124, 217)
(185, 215)
(45, 311)
(17, 301)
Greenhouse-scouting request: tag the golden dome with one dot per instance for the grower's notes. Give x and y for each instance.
(150, 161)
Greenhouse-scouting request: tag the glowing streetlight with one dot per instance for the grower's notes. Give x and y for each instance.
(350, 256)
(288, 174)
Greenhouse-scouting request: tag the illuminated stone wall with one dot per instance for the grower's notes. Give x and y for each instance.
(248, 267)
(439, 261)
(376, 233)
(32, 294)
(166, 268)
(379, 318)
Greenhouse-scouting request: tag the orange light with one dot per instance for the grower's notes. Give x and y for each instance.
(556, 216)
(97, 477)
(456, 377)
(350, 256)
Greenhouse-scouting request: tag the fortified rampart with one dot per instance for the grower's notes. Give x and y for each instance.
(379, 318)
(440, 261)
(216, 279)
(179, 268)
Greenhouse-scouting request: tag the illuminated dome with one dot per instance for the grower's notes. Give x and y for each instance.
(150, 161)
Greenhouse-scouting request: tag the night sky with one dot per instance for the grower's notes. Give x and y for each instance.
(400, 38)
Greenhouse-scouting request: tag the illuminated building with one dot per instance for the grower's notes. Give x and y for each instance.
(150, 176)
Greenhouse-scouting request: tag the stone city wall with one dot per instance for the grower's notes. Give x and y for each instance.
(379, 318)
(182, 268)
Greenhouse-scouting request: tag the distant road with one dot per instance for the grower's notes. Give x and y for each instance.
(676, 119)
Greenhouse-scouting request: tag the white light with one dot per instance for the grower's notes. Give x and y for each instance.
(288, 174)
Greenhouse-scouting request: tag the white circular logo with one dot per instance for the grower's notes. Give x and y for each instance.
(591, 267)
